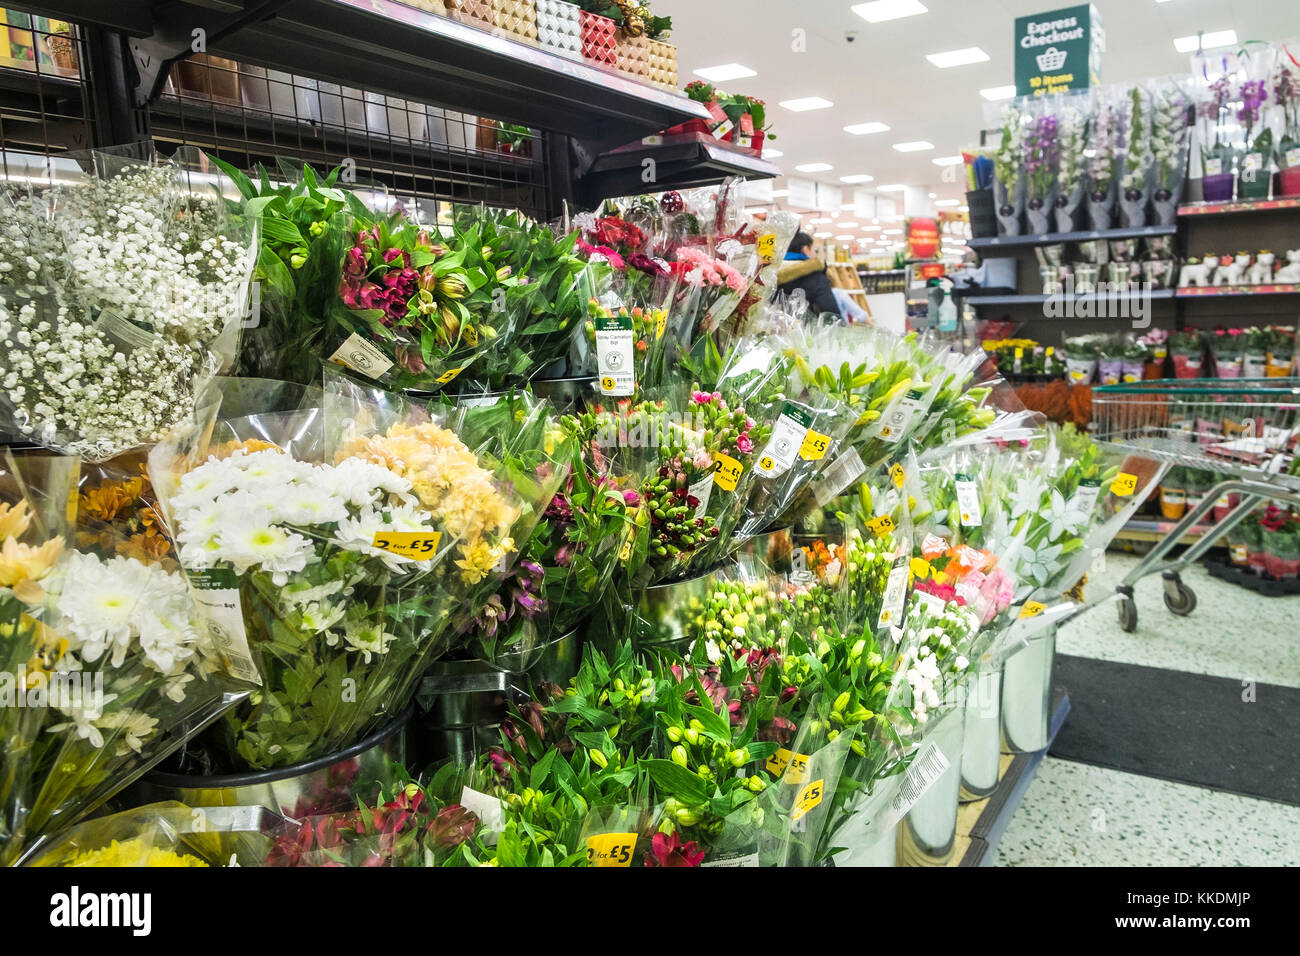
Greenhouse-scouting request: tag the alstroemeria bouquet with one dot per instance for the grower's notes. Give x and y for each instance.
(118, 296)
(103, 666)
(1138, 156)
(1170, 134)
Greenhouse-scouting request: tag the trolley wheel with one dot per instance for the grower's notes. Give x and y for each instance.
(1128, 615)
(1179, 598)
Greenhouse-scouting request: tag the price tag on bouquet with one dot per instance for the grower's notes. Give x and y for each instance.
(898, 417)
(1085, 496)
(216, 592)
(1032, 609)
(446, 377)
(767, 248)
(793, 766)
(611, 849)
(881, 526)
(968, 501)
(362, 355)
(891, 606)
(1124, 485)
(728, 473)
(787, 441)
(417, 545)
(809, 797)
(616, 356)
(897, 475)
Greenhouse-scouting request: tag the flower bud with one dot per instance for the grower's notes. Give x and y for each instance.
(842, 701)
(740, 757)
(674, 734)
(598, 758)
(679, 756)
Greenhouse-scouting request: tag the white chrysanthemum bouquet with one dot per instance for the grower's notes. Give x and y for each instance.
(119, 295)
(103, 667)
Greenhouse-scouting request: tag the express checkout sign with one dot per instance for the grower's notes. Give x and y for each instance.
(1059, 51)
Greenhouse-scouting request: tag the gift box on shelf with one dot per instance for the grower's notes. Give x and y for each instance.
(663, 64)
(632, 55)
(518, 18)
(599, 39)
(559, 27)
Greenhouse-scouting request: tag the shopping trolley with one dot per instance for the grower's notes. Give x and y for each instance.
(1244, 429)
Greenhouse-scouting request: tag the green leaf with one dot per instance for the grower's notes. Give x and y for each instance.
(274, 271)
(281, 230)
(541, 769)
(677, 781)
(241, 181)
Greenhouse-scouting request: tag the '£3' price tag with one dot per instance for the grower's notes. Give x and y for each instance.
(419, 545)
(611, 849)
(1124, 485)
(808, 798)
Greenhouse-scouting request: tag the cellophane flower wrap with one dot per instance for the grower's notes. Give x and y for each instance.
(105, 663)
(120, 293)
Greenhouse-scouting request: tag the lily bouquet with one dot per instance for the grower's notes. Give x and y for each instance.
(104, 667)
(1170, 136)
(118, 296)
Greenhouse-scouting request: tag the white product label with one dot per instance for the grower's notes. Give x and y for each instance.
(124, 333)
(1224, 503)
(747, 859)
(787, 438)
(930, 764)
(845, 470)
(217, 594)
(615, 355)
(702, 489)
(1085, 496)
(484, 806)
(1293, 157)
(932, 601)
(477, 401)
(891, 607)
(1214, 166)
(900, 415)
(362, 356)
(1253, 162)
(1173, 497)
(968, 500)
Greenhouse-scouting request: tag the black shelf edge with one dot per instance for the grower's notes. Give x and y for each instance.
(1051, 238)
(1005, 801)
(1155, 295)
(680, 162)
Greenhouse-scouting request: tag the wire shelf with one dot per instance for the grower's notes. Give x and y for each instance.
(45, 104)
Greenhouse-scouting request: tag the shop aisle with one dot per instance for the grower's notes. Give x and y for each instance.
(1178, 748)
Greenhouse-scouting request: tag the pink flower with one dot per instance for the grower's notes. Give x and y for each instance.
(631, 499)
(354, 264)
(745, 444)
(703, 460)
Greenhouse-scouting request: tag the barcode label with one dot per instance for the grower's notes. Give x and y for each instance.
(747, 859)
(845, 470)
(929, 765)
(223, 611)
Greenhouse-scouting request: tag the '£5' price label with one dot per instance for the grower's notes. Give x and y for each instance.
(814, 446)
(448, 375)
(881, 526)
(611, 849)
(767, 248)
(418, 545)
(1032, 609)
(897, 474)
(808, 798)
(1124, 485)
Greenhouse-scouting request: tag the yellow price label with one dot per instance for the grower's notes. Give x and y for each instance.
(814, 446)
(611, 849)
(794, 766)
(1032, 609)
(608, 384)
(881, 526)
(420, 545)
(809, 797)
(767, 463)
(471, 335)
(886, 431)
(1020, 352)
(1124, 485)
(897, 474)
(626, 553)
(661, 323)
(767, 248)
(728, 473)
(448, 375)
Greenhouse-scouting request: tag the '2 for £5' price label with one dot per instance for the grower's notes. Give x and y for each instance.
(728, 473)
(611, 849)
(793, 766)
(418, 545)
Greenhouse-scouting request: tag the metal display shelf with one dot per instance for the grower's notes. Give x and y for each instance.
(681, 161)
(1051, 238)
(392, 48)
(1232, 208)
(1154, 294)
(999, 807)
(1151, 530)
(1210, 291)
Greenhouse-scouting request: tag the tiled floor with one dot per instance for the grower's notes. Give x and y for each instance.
(1080, 815)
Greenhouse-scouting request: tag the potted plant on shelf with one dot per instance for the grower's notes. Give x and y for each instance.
(1042, 153)
(1254, 179)
(1135, 186)
(1070, 168)
(1286, 95)
(1173, 494)
(1241, 538)
(1008, 165)
(1216, 148)
(1111, 366)
(1186, 347)
(1081, 353)
(1281, 351)
(1103, 165)
(1156, 343)
(1226, 349)
(1281, 539)
(1254, 358)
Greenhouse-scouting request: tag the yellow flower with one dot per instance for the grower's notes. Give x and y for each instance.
(22, 565)
(480, 558)
(14, 520)
(134, 852)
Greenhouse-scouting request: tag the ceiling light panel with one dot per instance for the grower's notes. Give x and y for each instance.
(725, 72)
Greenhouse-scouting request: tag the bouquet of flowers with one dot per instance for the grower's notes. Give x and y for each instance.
(1070, 165)
(1042, 143)
(1009, 186)
(105, 667)
(1138, 158)
(1104, 165)
(118, 296)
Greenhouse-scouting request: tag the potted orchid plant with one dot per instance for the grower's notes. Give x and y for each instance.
(1009, 185)
(1254, 179)
(1042, 154)
(1286, 96)
(1103, 166)
(1216, 149)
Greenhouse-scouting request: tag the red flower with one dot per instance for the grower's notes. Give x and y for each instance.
(451, 827)
(671, 851)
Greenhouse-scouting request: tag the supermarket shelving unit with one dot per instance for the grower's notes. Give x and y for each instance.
(398, 91)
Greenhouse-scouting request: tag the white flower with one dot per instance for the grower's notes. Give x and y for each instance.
(961, 663)
(368, 638)
(97, 602)
(358, 533)
(1028, 496)
(249, 541)
(316, 618)
(360, 483)
(1061, 517)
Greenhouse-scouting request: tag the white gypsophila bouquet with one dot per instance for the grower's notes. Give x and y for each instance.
(117, 297)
